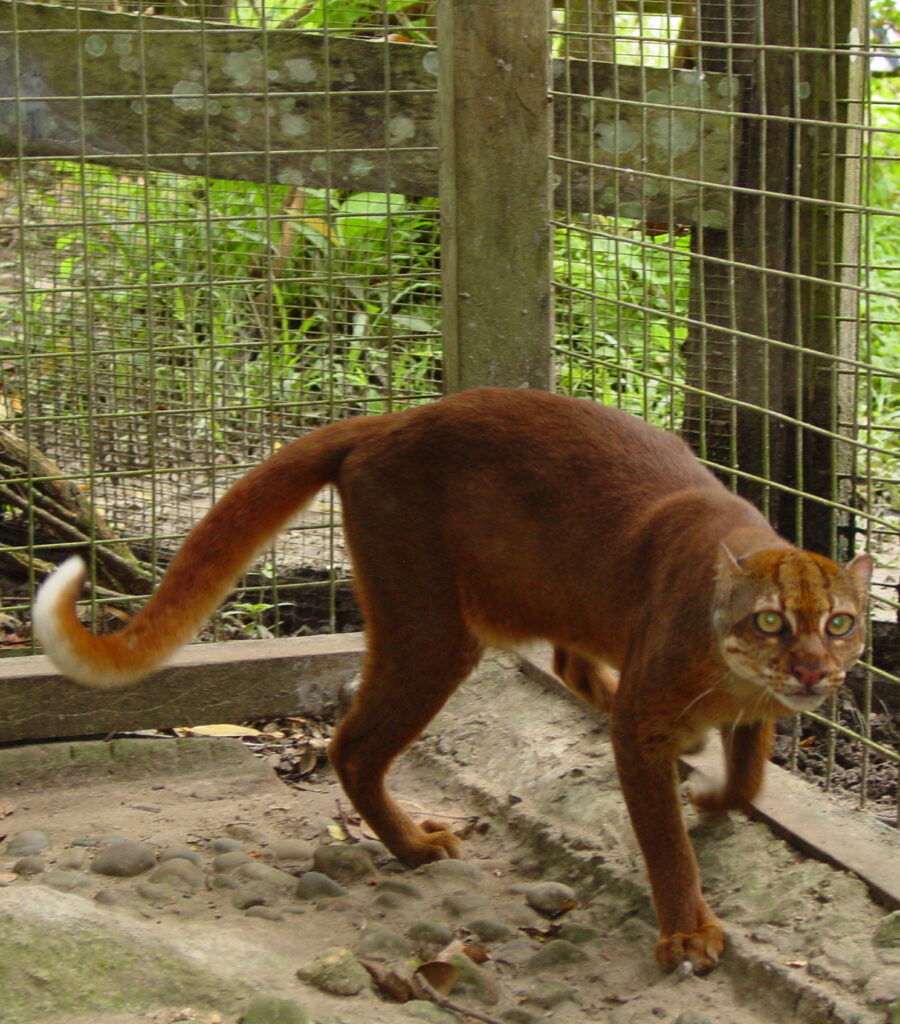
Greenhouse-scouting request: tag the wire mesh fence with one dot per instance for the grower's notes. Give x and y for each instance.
(218, 233)
(774, 343)
(165, 330)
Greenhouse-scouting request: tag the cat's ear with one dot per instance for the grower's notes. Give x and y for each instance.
(860, 568)
(729, 564)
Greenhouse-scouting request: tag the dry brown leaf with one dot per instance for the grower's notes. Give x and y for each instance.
(440, 976)
(391, 982)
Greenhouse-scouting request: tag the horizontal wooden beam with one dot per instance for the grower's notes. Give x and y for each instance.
(169, 94)
(203, 684)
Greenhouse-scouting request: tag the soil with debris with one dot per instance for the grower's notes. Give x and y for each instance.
(162, 880)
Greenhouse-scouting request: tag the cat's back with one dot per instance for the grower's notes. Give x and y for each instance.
(544, 433)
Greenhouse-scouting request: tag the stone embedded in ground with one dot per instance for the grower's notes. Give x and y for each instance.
(489, 930)
(516, 952)
(578, 932)
(549, 994)
(313, 885)
(254, 894)
(379, 853)
(378, 942)
(557, 953)
(256, 871)
(124, 859)
(24, 844)
(343, 863)
(474, 982)
(459, 903)
(64, 881)
(270, 1010)
(430, 933)
(179, 873)
(75, 858)
(179, 853)
(337, 972)
(452, 872)
(231, 859)
(550, 899)
(225, 844)
(33, 864)
(289, 851)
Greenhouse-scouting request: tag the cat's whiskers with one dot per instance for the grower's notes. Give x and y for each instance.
(696, 700)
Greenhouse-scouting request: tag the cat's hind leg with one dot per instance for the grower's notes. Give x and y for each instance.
(747, 748)
(594, 681)
(419, 649)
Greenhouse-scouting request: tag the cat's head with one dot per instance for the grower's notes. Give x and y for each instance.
(791, 621)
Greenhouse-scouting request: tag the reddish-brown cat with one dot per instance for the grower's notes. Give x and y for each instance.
(497, 516)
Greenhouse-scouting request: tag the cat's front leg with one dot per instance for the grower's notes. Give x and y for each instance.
(645, 750)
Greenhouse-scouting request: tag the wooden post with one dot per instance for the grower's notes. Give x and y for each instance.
(752, 321)
(495, 192)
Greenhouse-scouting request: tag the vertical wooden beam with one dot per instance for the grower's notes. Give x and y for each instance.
(768, 288)
(495, 192)
(828, 224)
(737, 303)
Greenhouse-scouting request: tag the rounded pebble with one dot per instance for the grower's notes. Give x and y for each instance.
(337, 972)
(247, 834)
(254, 894)
(887, 934)
(313, 885)
(177, 872)
(30, 865)
(74, 858)
(489, 930)
(557, 953)
(24, 844)
(225, 844)
(549, 994)
(430, 932)
(381, 943)
(548, 898)
(64, 881)
(124, 860)
(229, 860)
(289, 850)
(459, 903)
(578, 932)
(343, 863)
(453, 871)
(179, 853)
(256, 871)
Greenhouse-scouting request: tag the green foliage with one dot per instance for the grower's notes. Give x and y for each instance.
(230, 307)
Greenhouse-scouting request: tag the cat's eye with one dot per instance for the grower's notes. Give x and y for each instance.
(769, 623)
(840, 624)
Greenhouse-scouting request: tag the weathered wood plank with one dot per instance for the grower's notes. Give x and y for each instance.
(203, 684)
(495, 193)
(155, 93)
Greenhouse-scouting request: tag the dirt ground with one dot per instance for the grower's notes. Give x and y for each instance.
(530, 772)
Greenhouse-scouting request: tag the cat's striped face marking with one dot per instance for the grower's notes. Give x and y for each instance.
(791, 621)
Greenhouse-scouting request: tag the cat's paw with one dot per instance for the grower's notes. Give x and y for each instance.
(434, 841)
(714, 799)
(701, 949)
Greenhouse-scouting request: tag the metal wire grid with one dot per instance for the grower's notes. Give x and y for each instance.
(162, 332)
(634, 294)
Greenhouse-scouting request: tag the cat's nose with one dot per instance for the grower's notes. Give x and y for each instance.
(808, 675)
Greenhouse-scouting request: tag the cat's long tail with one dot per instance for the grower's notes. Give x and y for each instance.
(212, 557)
